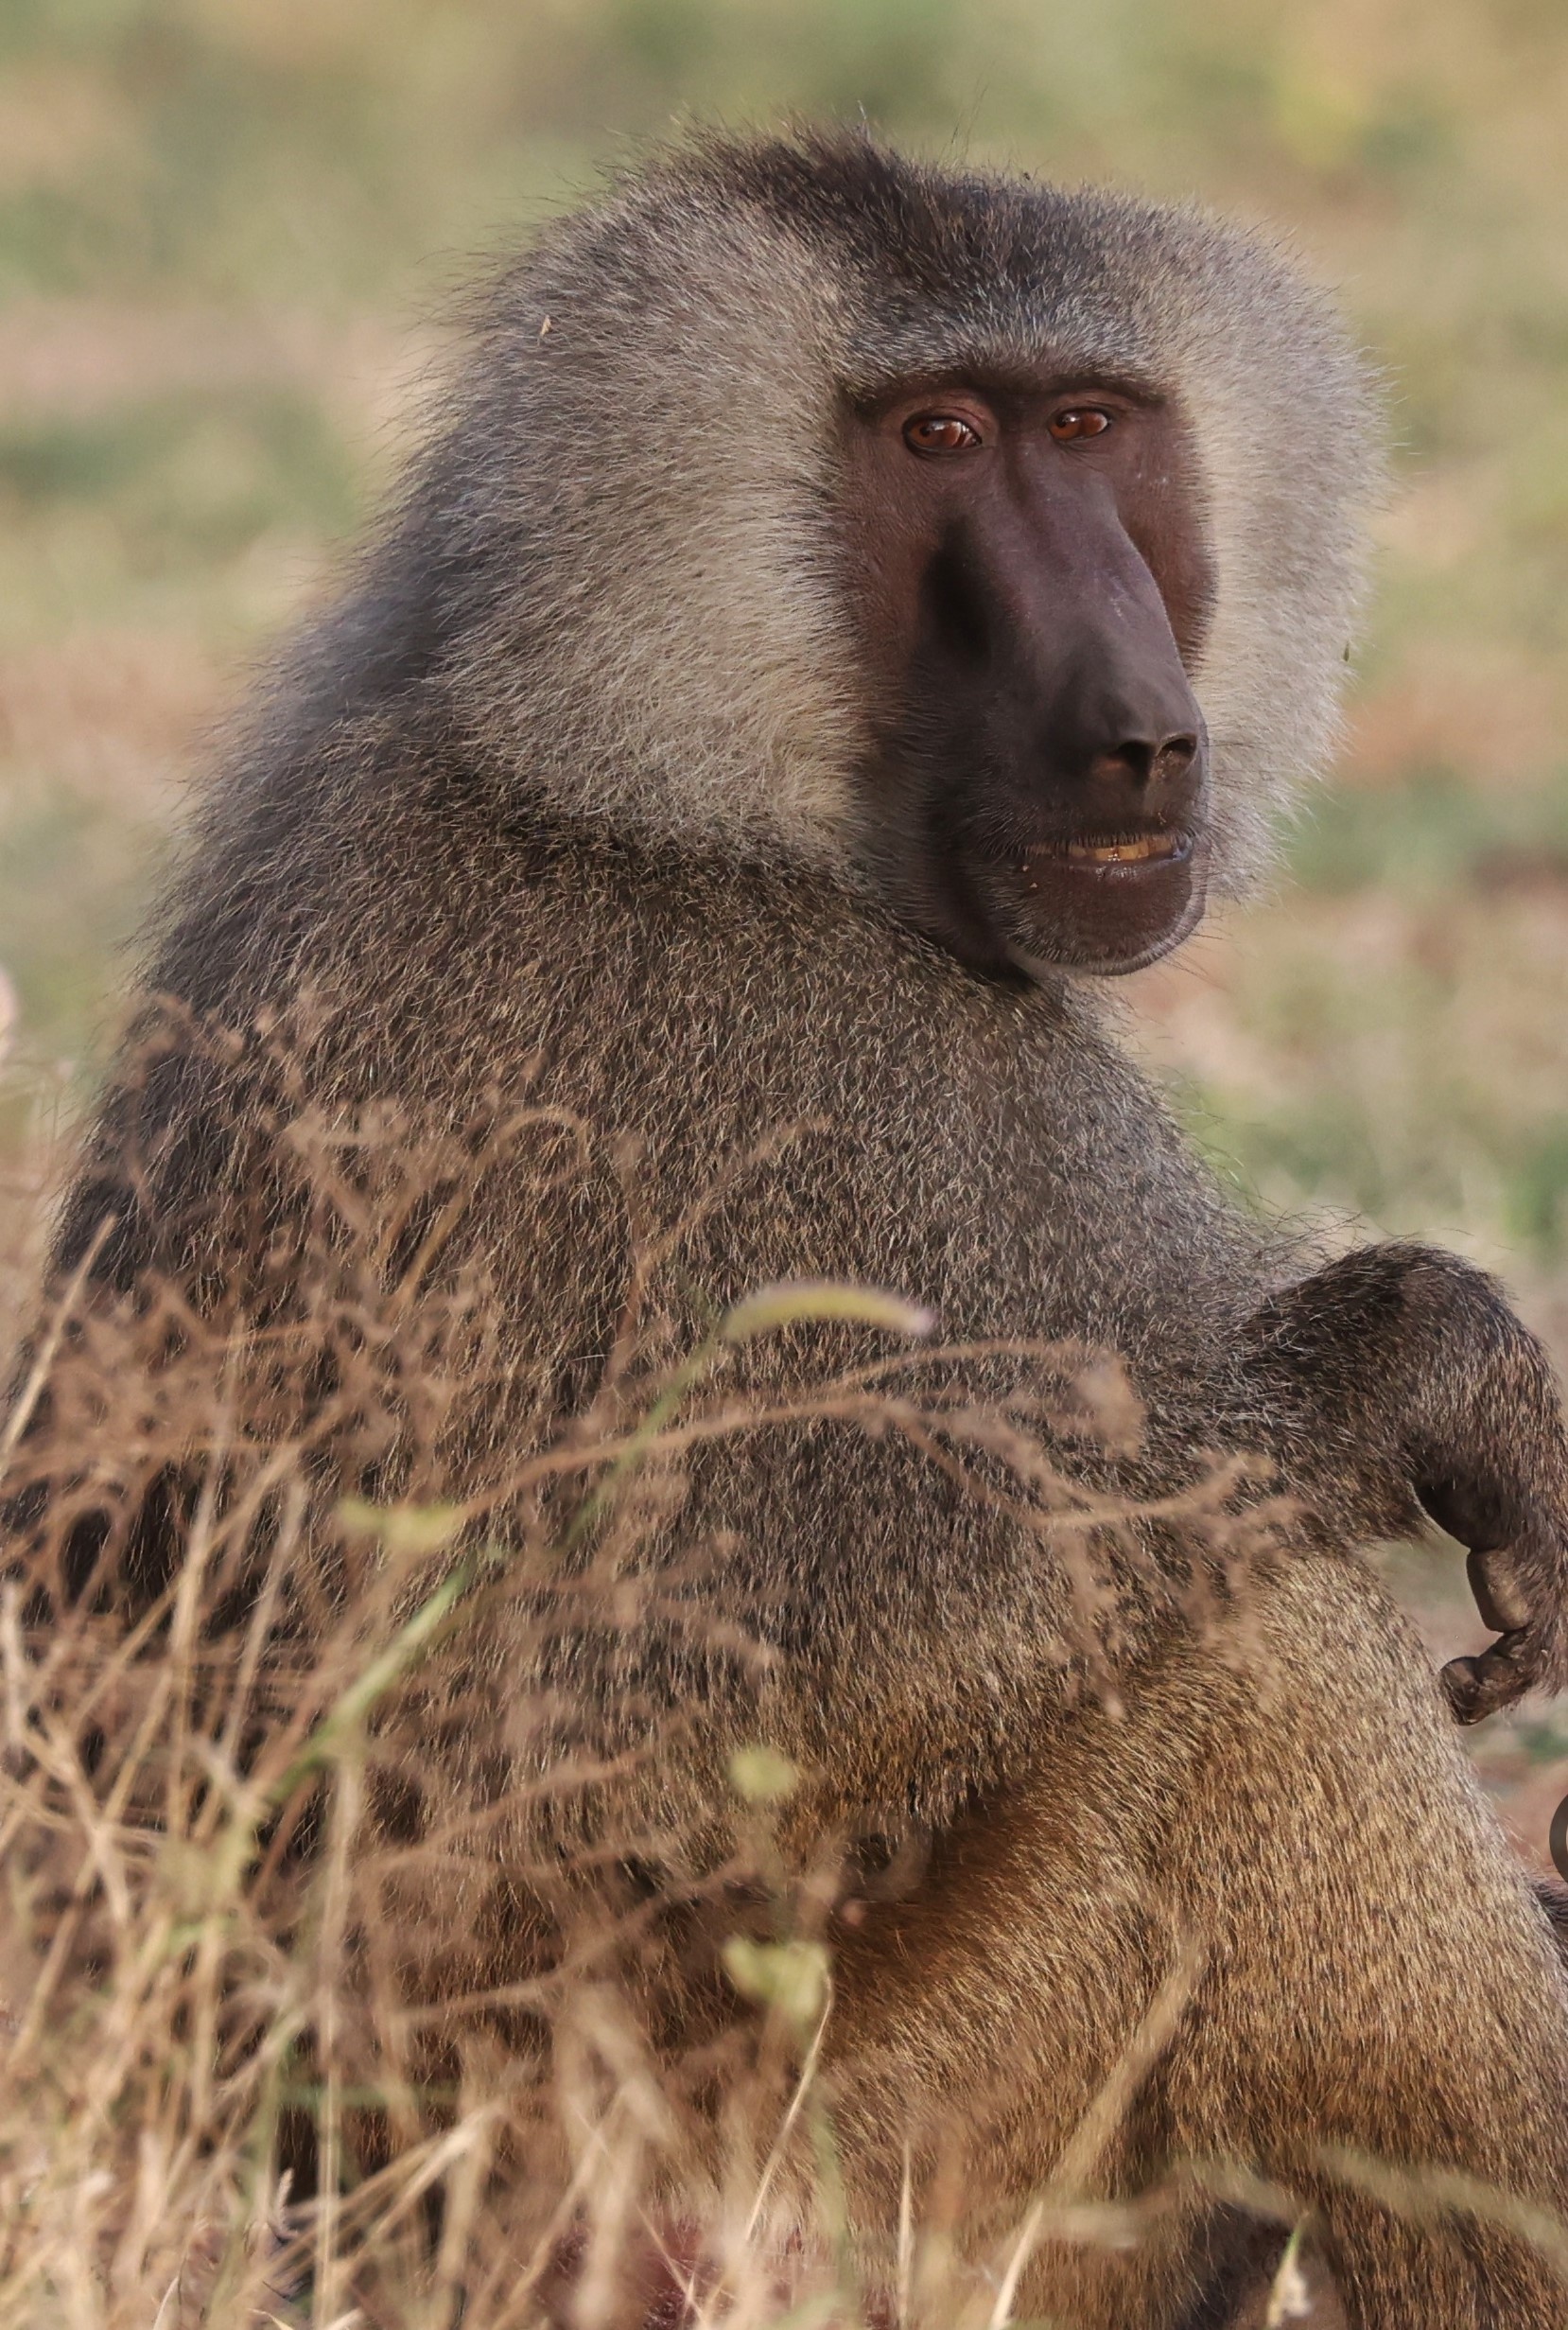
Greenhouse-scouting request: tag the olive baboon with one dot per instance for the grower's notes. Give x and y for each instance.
(849, 606)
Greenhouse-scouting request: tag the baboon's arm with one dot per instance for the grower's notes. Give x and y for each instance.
(1398, 1382)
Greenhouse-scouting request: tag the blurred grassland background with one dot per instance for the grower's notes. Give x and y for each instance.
(226, 225)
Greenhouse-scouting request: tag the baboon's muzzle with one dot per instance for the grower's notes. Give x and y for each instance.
(1064, 755)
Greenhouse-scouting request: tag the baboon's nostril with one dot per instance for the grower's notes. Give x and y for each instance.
(1146, 760)
(1176, 757)
(1133, 757)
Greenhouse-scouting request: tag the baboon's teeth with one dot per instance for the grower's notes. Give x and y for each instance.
(1134, 851)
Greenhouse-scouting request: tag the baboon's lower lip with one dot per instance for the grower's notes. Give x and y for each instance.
(1102, 901)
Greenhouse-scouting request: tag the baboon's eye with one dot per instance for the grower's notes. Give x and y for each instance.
(940, 432)
(1078, 421)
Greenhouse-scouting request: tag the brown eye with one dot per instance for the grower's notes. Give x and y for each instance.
(940, 432)
(1079, 421)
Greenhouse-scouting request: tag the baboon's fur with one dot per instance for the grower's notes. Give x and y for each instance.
(556, 812)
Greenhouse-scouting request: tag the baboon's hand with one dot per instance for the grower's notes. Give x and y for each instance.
(1484, 1432)
(1517, 1564)
(1421, 1379)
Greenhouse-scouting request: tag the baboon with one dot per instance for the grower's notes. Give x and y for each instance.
(850, 610)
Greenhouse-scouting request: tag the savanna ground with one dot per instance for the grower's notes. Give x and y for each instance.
(226, 226)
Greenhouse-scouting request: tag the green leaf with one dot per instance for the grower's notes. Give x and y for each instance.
(791, 1977)
(402, 1529)
(809, 1299)
(763, 1774)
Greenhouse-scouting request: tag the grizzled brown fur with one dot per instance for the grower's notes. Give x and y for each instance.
(555, 819)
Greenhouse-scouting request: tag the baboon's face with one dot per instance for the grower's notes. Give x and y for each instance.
(1029, 571)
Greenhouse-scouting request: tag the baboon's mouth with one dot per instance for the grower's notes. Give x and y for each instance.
(1152, 845)
(1103, 902)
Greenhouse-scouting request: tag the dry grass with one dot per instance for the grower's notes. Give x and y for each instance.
(303, 1880)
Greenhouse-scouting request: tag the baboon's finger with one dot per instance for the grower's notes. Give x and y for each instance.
(1501, 1673)
(1502, 1594)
